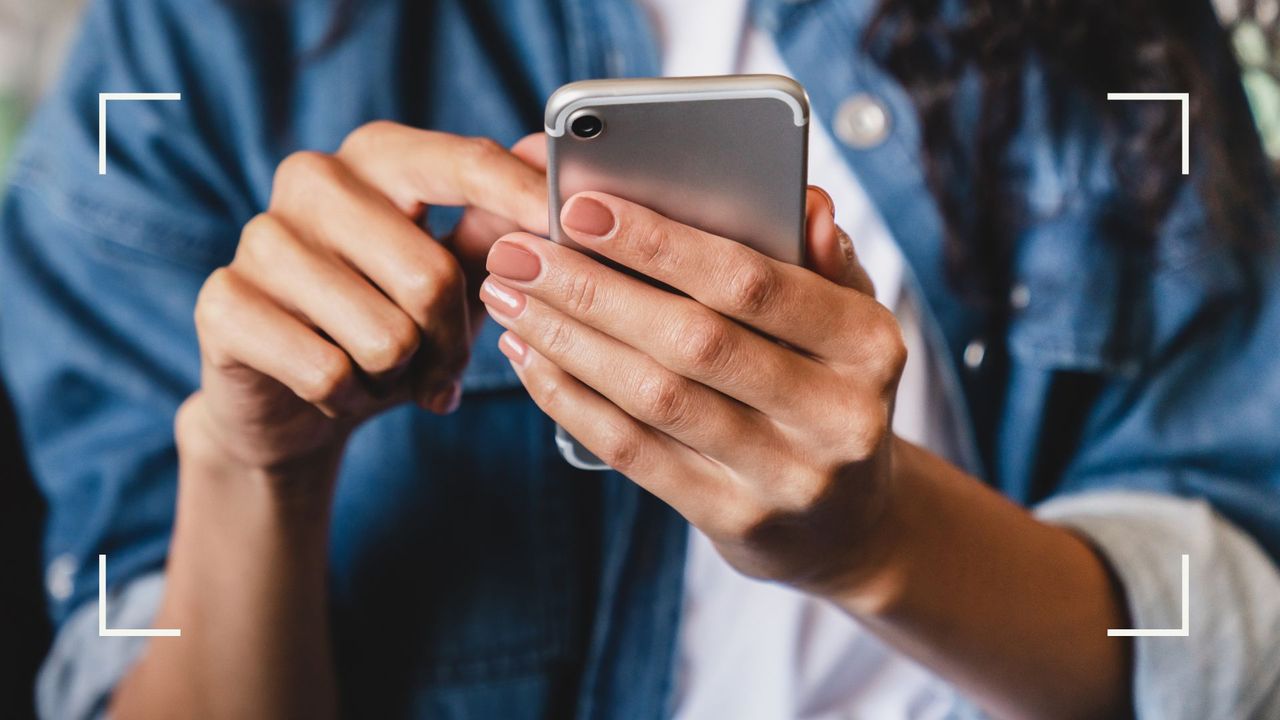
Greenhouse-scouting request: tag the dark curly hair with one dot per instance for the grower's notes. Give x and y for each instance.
(1087, 48)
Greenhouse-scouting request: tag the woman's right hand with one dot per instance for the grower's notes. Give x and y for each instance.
(338, 305)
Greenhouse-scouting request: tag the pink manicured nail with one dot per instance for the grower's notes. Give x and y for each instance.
(501, 298)
(588, 216)
(513, 347)
(513, 262)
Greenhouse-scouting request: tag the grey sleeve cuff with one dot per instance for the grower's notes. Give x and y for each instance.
(83, 669)
(1228, 666)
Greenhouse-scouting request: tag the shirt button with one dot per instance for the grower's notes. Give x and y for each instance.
(862, 122)
(974, 353)
(59, 577)
(1020, 296)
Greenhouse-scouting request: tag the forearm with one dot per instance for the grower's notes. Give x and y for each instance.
(1012, 611)
(247, 586)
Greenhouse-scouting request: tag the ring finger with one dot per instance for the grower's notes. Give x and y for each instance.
(685, 337)
(694, 414)
(656, 461)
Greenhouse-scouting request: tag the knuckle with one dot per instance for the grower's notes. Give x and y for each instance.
(663, 399)
(703, 342)
(890, 350)
(805, 492)
(650, 243)
(260, 241)
(867, 430)
(580, 294)
(420, 287)
(620, 447)
(878, 352)
(213, 306)
(433, 283)
(393, 343)
(301, 173)
(367, 136)
(475, 156)
(304, 166)
(213, 301)
(548, 393)
(744, 521)
(329, 372)
(557, 338)
(751, 286)
(481, 149)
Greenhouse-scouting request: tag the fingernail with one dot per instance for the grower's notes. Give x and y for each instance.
(831, 204)
(513, 347)
(588, 216)
(513, 262)
(447, 400)
(501, 298)
(846, 245)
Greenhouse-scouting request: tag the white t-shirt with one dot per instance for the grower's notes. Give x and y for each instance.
(749, 649)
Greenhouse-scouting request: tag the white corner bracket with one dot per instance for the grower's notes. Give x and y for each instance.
(104, 631)
(103, 99)
(1185, 630)
(1185, 99)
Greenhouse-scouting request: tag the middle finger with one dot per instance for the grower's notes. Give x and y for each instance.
(781, 300)
(690, 412)
(681, 334)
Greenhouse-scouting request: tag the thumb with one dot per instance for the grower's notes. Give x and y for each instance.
(829, 251)
(470, 242)
(479, 229)
(532, 149)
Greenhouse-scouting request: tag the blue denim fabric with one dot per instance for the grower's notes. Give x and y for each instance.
(474, 574)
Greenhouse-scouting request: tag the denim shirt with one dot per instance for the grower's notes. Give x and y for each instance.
(473, 572)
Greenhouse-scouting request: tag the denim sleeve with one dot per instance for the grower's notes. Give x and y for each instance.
(83, 669)
(99, 275)
(1228, 666)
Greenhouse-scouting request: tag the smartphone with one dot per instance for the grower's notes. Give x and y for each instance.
(725, 154)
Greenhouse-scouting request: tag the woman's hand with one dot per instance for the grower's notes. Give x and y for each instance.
(337, 304)
(759, 406)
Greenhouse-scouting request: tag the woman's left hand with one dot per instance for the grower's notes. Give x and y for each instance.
(759, 406)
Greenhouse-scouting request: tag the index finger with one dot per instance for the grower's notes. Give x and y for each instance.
(415, 168)
(781, 300)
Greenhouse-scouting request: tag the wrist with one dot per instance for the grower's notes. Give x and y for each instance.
(880, 580)
(302, 480)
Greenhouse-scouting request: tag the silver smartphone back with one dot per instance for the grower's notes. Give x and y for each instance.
(726, 154)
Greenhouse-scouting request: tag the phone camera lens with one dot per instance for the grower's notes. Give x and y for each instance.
(586, 126)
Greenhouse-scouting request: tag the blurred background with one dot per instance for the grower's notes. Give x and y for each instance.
(33, 37)
(1255, 30)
